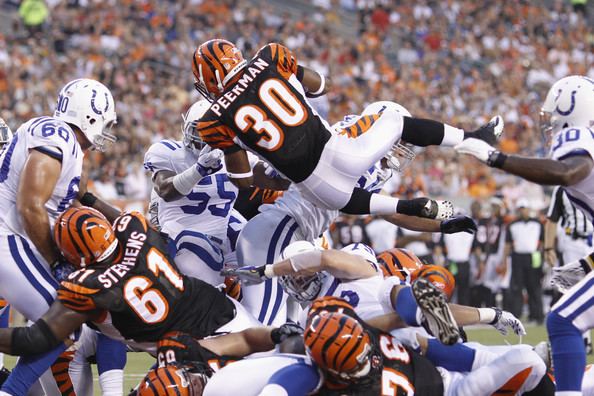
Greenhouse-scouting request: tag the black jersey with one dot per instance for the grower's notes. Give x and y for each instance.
(265, 111)
(143, 291)
(395, 369)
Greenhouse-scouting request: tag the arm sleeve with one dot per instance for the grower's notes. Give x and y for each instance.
(554, 213)
(217, 135)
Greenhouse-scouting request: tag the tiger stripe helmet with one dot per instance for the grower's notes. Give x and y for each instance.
(171, 380)
(439, 276)
(399, 262)
(338, 344)
(214, 64)
(84, 236)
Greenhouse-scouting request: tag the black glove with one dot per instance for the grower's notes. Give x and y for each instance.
(61, 269)
(458, 224)
(287, 330)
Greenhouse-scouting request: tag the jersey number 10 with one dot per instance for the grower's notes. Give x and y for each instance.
(280, 101)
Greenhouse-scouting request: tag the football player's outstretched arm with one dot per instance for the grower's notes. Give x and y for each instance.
(449, 226)
(262, 180)
(36, 186)
(88, 199)
(239, 169)
(340, 264)
(45, 334)
(314, 83)
(565, 172)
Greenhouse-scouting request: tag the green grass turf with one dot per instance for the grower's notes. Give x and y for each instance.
(139, 363)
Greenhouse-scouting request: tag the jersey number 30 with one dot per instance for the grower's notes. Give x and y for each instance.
(281, 102)
(148, 303)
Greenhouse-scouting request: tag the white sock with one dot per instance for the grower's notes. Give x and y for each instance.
(568, 393)
(112, 382)
(382, 204)
(451, 136)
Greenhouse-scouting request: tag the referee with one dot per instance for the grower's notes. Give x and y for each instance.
(569, 228)
(524, 239)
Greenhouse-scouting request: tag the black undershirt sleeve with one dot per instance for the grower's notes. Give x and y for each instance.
(422, 132)
(38, 338)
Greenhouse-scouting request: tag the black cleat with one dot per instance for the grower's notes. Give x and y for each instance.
(438, 315)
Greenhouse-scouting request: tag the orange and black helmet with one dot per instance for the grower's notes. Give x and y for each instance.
(338, 344)
(214, 64)
(439, 276)
(399, 262)
(171, 380)
(84, 236)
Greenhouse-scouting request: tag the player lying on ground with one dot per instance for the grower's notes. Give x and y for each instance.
(130, 289)
(262, 106)
(566, 119)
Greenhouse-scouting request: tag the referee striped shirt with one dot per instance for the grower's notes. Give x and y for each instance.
(573, 220)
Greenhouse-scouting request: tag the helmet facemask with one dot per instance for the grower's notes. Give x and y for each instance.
(303, 288)
(399, 157)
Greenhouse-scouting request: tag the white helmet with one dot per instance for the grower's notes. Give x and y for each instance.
(400, 156)
(303, 288)
(89, 105)
(362, 250)
(5, 133)
(190, 137)
(569, 102)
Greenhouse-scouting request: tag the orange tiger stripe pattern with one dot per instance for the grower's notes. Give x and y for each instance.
(61, 375)
(439, 276)
(331, 304)
(286, 63)
(166, 381)
(75, 301)
(3, 303)
(337, 342)
(214, 63)
(361, 126)
(215, 134)
(399, 262)
(83, 235)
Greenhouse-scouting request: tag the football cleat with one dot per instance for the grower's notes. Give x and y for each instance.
(491, 131)
(438, 210)
(437, 313)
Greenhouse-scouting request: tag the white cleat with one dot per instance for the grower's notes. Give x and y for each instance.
(438, 210)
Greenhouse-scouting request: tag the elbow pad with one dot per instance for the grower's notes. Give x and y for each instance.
(33, 340)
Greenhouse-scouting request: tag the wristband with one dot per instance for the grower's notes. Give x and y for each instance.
(240, 175)
(88, 199)
(496, 159)
(269, 271)
(486, 315)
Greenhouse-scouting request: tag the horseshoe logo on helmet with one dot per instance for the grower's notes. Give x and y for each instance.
(571, 107)
(95, 109)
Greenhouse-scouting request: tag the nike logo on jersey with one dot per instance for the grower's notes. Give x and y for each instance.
(256, 67)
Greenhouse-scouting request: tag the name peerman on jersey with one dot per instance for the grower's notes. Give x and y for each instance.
(54, 138)
(211, 198)
(395, 369)
(265, 111)
(143, 291)
(571, 142)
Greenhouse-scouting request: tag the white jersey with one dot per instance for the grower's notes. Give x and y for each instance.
(313, 220)
(211, 198)
(55, 138)
(577, 141)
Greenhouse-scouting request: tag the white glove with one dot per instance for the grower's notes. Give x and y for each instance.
(565, 277)
(209, 160)
(507, 319)
(475, 147)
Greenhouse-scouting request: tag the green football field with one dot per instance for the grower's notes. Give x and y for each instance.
(139, 363)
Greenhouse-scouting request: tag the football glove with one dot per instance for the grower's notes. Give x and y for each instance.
(491, 131)
(458, 224)
(477, 148)
(287, 330)
(504, 319)
(209, 161)
(563, 278)
(61, 269)
(249, 275)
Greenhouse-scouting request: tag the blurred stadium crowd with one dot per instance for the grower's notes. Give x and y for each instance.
(454, 60)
